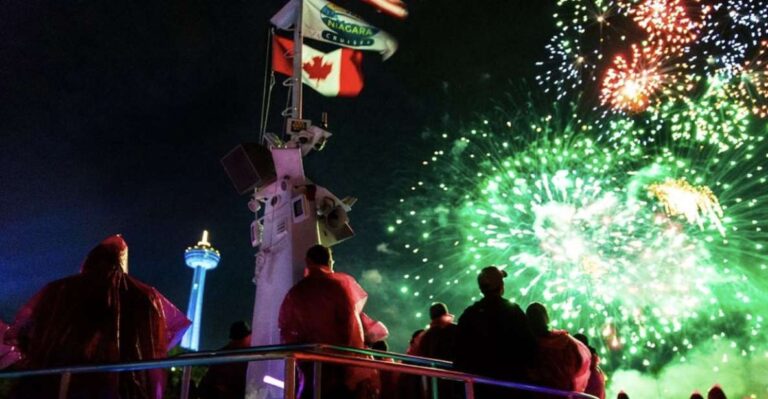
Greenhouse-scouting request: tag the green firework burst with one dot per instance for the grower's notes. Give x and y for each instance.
(583, 221)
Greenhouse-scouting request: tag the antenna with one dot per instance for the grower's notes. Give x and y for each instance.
(204, 241)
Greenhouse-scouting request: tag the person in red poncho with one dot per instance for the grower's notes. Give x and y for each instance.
(596, 382)
(439, 342)
(227, 380)
(101, 315)
(326, 307)
(562, 361)
(8, 353)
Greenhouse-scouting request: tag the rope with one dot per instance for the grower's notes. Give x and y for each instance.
(266, 95)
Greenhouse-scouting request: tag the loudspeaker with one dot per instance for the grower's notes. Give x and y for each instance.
(334, 227)
(249, 166)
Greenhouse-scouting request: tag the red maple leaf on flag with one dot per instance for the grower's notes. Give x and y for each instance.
(316, 69)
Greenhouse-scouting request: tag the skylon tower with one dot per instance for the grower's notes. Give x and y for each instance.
(201, 257)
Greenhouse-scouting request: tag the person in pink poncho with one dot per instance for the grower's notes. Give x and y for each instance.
(326, 307)
(596, 382)
(562, 361)
(101, 315)
(8, 353)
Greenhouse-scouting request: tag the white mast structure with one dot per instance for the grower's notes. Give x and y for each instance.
(297, 214)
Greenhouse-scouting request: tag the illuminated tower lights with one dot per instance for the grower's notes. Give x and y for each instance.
(201, 257)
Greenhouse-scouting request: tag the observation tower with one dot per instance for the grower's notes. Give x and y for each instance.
(201, 257)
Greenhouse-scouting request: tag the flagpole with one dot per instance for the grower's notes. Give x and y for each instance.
(298, 41)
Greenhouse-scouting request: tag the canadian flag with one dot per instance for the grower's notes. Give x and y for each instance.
(337, 73)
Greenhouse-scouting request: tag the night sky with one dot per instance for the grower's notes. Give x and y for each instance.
(114, 117)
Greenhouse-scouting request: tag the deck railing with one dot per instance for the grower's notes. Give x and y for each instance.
(431, 369)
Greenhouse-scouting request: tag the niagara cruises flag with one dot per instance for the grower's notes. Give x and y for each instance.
(327, 22)
(337, 73)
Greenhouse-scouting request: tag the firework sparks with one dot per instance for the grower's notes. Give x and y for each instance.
(752, 88)
(644, 226)
(714, 117)
(696, 203)
(666, 21)
(584, 30)
(731, 30)
(612, 235)
(647, 55)
(630, 85)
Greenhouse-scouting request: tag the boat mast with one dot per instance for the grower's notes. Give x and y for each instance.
(298, 38)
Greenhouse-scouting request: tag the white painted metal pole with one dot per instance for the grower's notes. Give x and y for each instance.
(186, 379)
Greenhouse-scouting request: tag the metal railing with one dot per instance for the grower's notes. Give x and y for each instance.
(315, 353)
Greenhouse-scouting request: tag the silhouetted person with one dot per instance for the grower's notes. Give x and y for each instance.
(716, 393)
(622, 395)
(439, 342)
(101, 315)
(409, 386)
(696, 395)
(413, 344)
(227, 380)
(562, 361)
(596, 382)
(327, 308)
(389, 379)
(493, 337)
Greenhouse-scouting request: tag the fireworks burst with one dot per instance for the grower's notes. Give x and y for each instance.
(585, 29)
(731, 31)
(697, 204)
(630, 85)
(634, 244)
(752, 87)
(643, 227)
(642, 54)
(666, 21)
(714, 118)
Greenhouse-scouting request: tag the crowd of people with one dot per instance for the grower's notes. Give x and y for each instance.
(103, 315)
(493, 337)
(496, 338)
(716, 392)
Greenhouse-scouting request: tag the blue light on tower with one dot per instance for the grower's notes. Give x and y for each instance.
(202, 257)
